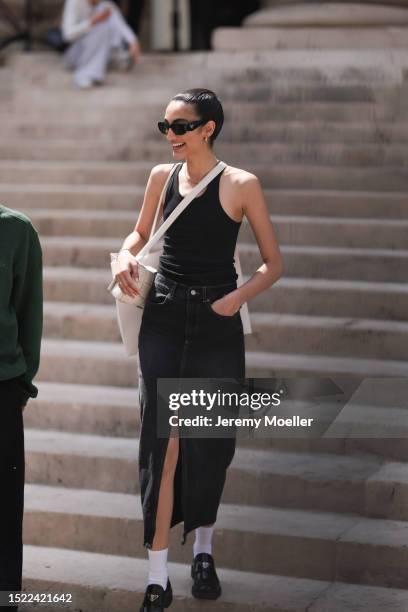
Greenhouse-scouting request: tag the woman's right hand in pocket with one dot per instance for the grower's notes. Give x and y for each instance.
(127, 274)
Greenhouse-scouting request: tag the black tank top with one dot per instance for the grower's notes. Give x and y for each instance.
(198, 247)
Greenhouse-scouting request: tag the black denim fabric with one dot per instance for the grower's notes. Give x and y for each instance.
(182, 336)
(12, 475)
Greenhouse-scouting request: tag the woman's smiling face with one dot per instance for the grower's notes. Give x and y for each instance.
(192, 141)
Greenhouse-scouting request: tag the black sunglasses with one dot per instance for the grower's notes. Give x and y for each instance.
(179, 128)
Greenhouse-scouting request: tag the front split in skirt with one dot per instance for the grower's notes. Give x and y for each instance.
(182, 337)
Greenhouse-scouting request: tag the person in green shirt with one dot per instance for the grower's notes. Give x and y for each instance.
(21, 323)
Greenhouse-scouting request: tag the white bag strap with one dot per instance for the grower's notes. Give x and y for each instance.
(162, 196)
(179, 208)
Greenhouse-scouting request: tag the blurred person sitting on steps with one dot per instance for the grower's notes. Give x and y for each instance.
(98, 33)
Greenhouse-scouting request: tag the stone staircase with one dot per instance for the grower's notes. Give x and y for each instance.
(305, 525)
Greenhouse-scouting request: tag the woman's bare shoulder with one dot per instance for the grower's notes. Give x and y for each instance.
(238, 176)
(159, 173)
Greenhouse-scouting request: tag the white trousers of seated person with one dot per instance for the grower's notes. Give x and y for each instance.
(89, 55)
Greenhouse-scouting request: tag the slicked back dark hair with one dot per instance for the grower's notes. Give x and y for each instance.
(207, 106)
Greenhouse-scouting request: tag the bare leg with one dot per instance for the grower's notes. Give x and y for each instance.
(166, 496)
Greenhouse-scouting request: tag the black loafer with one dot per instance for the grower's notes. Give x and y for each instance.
(156, 598)
(206, 584)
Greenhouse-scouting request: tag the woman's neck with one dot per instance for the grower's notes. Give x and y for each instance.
(196, 169)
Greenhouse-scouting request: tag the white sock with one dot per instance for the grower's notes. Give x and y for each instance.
(203, 540)
(158, 567)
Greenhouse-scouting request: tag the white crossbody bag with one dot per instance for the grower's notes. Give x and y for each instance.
(129, 309)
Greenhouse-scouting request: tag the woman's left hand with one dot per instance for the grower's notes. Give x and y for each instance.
(226, 306)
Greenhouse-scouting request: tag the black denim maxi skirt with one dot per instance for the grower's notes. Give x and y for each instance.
(181, 336)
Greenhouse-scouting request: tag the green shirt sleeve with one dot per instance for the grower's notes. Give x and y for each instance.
(28, 305)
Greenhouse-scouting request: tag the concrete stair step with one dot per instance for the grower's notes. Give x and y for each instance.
(256, 477)
(85, 362)
(94, 363)
(283, 66)
(368, 264)
(336, 231)
(111, 582)
(52, 172)
(67, 95)
(113, 411)
(119, 582)
(117, 98)
(326, 154)
(373, 64)
(92, 409)
(117, 200)
(345, 14)
(138, 114)
(257, 91)
(286, 364)
(327, 68)
(265, 130)
(304, 261)
(274, 38)
(336, 336)
(306, 334)
(120, 201)
(281, 176)
(290, 295)
(290, 229)
(59, 517)
(110, 464)
(336, 298)
(112, 523)
(79, 222)
(81, 321)
(96, 409)
(76, 284)
(295, 83)
(394, 448)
